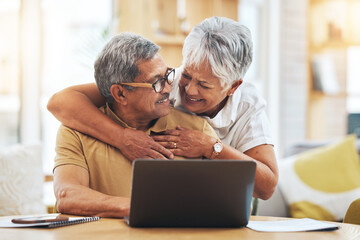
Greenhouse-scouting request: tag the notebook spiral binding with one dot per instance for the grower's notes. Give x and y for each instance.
(72, 222)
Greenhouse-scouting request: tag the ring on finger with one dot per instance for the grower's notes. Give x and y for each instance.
(174, 144)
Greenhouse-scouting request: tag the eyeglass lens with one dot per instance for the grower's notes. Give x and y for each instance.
(159, 85)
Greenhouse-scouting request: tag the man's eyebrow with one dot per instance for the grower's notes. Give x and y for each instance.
(154, 78)
(158, 76)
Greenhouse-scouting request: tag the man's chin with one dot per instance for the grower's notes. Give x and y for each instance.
(164, 111)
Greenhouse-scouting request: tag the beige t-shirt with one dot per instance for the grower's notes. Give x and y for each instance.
(109, 171)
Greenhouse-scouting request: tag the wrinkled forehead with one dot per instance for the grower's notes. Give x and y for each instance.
(202, 73)
(200, 65)
(206, 68)
(150, 69)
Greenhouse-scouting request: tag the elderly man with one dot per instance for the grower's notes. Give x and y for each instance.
(94, 178)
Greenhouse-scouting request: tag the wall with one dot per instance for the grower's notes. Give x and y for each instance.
(293, 72)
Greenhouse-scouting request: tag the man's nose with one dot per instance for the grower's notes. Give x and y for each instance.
(167, 88)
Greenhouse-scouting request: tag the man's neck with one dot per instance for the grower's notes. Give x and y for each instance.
(131, 120)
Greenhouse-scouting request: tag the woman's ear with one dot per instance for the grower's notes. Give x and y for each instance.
(118, 93)
(234, 86)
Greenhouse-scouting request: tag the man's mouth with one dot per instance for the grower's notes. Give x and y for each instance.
(164, 99)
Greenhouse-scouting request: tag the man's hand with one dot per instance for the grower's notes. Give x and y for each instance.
(136, 144)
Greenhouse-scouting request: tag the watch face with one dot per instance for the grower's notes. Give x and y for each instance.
(218, 147)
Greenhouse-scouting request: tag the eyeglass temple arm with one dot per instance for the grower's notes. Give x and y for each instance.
(138, 84)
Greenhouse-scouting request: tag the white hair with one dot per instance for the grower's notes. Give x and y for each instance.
(224, 43)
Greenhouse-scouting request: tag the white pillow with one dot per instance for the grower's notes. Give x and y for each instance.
(21, 181)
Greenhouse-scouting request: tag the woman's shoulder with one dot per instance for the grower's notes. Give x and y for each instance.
(248, 95)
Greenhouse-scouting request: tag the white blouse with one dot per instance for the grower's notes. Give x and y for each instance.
(242, 123)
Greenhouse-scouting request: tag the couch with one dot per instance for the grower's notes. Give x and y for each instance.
(277, 204)
(21, 180)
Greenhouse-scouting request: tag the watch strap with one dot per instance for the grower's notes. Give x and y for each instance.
(215, 153)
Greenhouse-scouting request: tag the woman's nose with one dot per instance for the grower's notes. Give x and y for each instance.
(191, 89)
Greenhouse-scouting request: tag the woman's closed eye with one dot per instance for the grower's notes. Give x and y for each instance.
(186, 76)
(203, 86)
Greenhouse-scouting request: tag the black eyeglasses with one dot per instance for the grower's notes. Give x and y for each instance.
(159, 84)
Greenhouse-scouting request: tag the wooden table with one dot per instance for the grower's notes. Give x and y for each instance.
(108, 228)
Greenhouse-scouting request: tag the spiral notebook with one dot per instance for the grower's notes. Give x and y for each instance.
(7, 223)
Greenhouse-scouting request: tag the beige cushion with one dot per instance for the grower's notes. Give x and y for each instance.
(21, 180)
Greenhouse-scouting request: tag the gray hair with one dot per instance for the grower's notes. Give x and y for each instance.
(224, 43)
(117, 62)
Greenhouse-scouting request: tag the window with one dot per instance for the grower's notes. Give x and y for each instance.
(74, 33)
(258, 16)
(9, 74)
(250, 16)
(353, 83)
(45, 46)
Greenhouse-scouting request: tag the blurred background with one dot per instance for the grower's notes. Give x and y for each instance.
(306, 59)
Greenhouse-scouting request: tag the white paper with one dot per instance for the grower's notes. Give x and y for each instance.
(293, 225)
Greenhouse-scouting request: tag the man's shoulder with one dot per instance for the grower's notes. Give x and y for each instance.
(174, 113)
(69, 134)
(186, 120)
(66, 134)
(64, 129)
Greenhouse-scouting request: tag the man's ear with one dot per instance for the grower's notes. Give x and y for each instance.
(233, 87)
(118, 93)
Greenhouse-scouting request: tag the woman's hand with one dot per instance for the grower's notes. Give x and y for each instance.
(136, 144)
(186, 142)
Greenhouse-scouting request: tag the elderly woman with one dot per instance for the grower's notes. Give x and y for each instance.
(216, 56)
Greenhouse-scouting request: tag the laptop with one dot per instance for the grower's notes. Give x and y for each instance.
(191, 193)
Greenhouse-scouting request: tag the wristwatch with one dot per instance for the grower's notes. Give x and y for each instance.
(217, 148)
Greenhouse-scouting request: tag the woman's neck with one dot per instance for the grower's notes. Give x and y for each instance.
(213, 112)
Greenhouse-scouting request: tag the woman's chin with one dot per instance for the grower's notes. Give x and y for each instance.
(193, 109)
